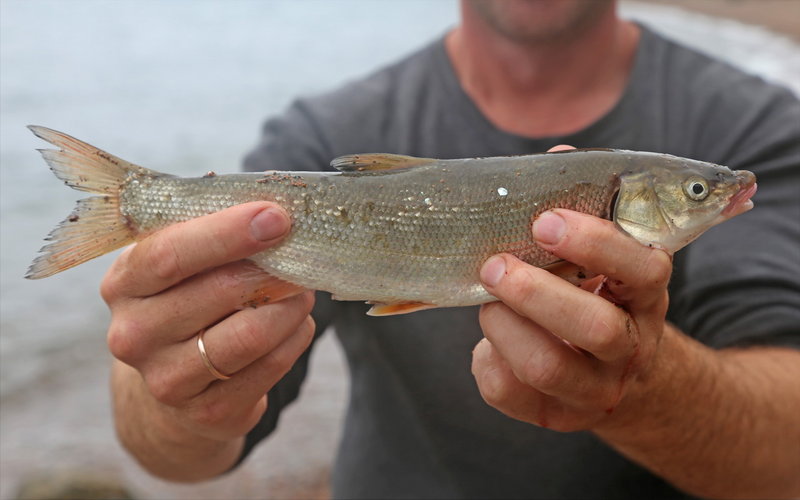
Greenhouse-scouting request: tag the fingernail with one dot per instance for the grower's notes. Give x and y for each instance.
(549, 228)
(268, 224)
(493, 270)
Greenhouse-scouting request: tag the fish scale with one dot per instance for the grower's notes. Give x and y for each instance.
(397, 231)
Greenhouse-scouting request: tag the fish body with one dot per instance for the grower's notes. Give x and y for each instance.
(401, 232)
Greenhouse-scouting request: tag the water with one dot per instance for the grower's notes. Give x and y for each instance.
(183, 87)
(180, 87)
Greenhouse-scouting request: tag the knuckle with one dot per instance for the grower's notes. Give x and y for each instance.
(210, 413)
(662, 304)
(543, 371)
(488, 313)
(121, 340)
(241, 424)
(525, 290)
(117, 278)
(491, 317)
(308, 328)
(282, 359)
(657, 269)
(227, 240)
(163, 259)
(494, 388)
(162, 387)
(602, 334)
(111, 286)
(308, 300)
(247, 335)
(585, 234)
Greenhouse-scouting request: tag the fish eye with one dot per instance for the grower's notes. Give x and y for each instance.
(696, 189)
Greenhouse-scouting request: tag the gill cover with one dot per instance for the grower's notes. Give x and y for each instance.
(638, 212)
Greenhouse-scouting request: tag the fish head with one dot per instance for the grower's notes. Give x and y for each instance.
(671, 201)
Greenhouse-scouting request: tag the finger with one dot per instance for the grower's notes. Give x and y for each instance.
(182, 250)
(178, 372)
(246, 336)
(540, 360)
(583, 319)
(230, 408)
(266, 371)
(177, 314)
(501, 389)
(601, 247)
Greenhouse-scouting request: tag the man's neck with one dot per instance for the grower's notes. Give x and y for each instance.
(548, 88)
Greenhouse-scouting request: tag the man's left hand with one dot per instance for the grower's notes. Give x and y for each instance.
(561, 356)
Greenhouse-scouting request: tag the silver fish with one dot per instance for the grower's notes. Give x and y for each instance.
(400, 232)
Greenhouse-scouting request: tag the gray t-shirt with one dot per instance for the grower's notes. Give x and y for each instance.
(416, 425)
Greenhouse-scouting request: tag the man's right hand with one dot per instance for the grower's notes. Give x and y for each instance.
(175, 417)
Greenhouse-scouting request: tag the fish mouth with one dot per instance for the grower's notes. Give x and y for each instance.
(741, 201)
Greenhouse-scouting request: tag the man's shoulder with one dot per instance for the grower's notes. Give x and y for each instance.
(692, 71)
(709, 108)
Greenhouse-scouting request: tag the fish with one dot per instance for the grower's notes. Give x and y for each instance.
(399, 232)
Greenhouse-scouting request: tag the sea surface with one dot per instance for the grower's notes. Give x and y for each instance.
(183, 87)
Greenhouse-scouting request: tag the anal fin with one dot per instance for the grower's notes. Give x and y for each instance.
(380, 309)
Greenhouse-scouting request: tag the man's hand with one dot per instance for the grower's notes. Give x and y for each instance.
(172, 413)
(560, 356)
(713, 423)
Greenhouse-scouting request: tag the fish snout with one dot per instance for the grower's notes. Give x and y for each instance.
(741, 201)
(746, 178)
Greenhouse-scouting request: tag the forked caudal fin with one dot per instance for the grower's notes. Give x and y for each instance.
(95, 227)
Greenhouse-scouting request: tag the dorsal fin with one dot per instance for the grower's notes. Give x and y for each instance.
(372, 162)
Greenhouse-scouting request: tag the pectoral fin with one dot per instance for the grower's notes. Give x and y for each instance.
(271, 290)
(573, 273)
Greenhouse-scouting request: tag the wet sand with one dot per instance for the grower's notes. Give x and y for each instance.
(780, 16)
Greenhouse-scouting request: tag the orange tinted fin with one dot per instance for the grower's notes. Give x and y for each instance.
(96, 226)
(569, 271)
(399, 308)
(271, 290)
(372, 162)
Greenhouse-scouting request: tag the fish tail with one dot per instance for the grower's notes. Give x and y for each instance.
(96, 226)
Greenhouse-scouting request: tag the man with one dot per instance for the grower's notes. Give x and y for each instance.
(636, 406)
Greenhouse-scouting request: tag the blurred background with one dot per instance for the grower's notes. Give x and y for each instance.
(183, 87)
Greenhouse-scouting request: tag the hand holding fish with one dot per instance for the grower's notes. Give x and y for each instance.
(558, 355)
(160, 298)
(404, 234)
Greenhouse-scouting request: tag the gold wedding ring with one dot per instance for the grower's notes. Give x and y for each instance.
(216, 373)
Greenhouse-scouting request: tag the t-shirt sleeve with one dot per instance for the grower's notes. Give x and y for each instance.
(742, 278)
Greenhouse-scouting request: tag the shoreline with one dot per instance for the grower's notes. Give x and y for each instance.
(779, 16)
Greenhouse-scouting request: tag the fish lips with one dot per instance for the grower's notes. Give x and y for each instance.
(741, 202)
